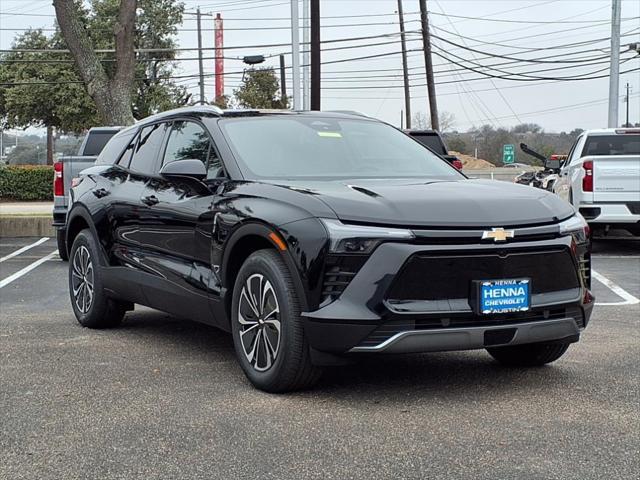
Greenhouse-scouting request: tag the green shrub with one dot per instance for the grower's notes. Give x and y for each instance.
(26, 182)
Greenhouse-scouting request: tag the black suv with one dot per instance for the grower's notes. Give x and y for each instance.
(314, 237)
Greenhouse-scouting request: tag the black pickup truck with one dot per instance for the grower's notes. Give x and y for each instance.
(434, 142)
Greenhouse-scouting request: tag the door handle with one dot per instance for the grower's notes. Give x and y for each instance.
(150, 200)
(100, 192)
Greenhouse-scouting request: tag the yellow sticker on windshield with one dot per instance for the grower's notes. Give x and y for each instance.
(330, 134)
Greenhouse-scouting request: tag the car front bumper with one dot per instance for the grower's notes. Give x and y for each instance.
(363, 319)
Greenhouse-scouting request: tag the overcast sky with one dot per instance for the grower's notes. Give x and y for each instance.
(374, 86)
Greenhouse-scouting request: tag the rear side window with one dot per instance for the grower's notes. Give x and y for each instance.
(612, 145)
(96, 141)
(112, 150)
(147, 148)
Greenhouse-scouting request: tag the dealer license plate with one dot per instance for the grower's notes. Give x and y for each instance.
(504, 296)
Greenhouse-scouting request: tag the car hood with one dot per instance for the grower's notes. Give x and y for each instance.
(437, 203)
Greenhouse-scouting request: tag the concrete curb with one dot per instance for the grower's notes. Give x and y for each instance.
(26, 226)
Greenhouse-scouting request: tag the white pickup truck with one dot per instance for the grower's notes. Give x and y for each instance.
(601, 178)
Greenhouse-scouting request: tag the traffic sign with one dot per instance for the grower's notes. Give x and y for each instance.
(508, 153)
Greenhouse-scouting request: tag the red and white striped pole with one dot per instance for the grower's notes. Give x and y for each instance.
(219, 53)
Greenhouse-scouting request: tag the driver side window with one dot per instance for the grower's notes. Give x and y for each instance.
(570, 156)
(188, 140)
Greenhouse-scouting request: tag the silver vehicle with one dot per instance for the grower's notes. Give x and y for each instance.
(69, 167)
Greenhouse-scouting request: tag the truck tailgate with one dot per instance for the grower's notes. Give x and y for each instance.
(615, 177)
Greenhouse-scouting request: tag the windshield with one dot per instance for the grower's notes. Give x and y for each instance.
(327, 148)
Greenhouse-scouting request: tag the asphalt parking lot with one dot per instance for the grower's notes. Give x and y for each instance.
(164, 398)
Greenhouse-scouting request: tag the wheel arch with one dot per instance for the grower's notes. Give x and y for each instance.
(80, 219)
(245, 240)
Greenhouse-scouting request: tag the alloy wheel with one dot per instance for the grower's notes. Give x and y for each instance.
(82, 279)
(259, 318)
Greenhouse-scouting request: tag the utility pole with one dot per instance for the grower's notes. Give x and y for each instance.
(295, 55)
(315, 55)
(283, 82)
(431, 88)
(200, 67)
(405, 71)
(614, 69)
(306, 86)
(627, 124)
(219, 54)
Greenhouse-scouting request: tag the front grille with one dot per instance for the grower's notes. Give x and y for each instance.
(338, 273)
(389, 329)
(450, 276)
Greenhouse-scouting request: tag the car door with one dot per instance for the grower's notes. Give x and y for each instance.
(562, 187)
(176, 226)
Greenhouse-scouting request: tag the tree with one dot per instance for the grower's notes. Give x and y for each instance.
(457, 144)
(419, 121)
(260, 89)
(111, 94)
(155, 28)
(527, 128)
(39, 93)
(46, 89)
(25, 155)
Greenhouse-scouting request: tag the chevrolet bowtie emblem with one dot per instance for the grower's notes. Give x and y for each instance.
(498, 234)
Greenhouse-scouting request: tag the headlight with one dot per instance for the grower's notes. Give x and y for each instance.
(360, 238)
(577, 227)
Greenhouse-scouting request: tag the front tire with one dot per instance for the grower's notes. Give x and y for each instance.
(529, 355)
(93, 309)
(266, 326)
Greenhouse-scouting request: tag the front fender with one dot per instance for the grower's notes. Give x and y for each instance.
(304, 240)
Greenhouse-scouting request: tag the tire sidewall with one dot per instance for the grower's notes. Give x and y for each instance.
(261, 263)
(85, 238)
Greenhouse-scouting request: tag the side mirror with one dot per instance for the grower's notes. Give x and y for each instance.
(552, 164)
(184, 168)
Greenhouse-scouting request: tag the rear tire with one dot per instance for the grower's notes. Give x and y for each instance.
(93, 309)
(529, 355)
(266, 326)
(61, 240)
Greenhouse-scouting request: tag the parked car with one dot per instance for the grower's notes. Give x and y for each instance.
(601, 178)
(66, 169)
(522, 166)
(315, 237)
(434, 142)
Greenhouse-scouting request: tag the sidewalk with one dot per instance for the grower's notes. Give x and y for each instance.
(26, 219)
(26, 208)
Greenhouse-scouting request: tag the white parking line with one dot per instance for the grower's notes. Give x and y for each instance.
(23, 249)
(618, 290)
(27, 269)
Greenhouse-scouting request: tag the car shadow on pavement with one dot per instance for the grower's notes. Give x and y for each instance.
(451, 374)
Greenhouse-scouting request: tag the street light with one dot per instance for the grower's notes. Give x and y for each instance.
(253, 59)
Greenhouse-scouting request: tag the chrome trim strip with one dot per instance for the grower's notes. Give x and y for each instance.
(468, 338)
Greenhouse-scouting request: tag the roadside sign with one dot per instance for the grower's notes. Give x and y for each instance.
(508, 153)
